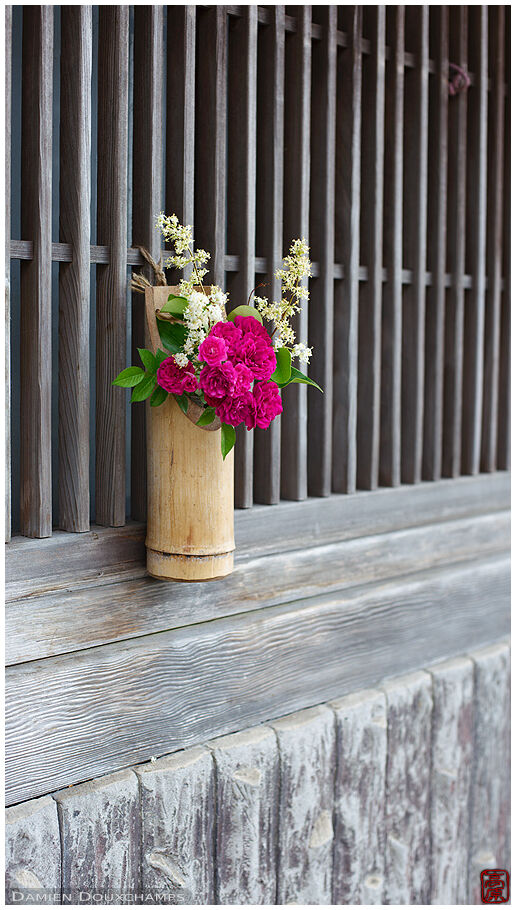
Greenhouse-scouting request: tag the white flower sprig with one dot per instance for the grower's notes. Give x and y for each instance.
(296, 267)
(205, 307)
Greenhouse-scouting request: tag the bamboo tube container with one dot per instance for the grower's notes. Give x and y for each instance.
(190, 531)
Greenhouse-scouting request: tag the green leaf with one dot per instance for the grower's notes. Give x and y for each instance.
(144, 388)
(227, 439)
(172, 335)
(129, 377)
(245, 311)
(297, 376)
(161, 356)
(158, 397)
(182, 401)
(207, 416)
(282, 372)
(175, 305)
(148, 359)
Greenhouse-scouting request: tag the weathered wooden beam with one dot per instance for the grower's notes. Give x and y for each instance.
(247, 791)
(74, 277)
(211, 153)
(456, 251)
(361, 749)
(32, 852)
(112, 300)
(452, 760)
(371, 251)
(322, 239)
(36, 275)
(7, 340)
(147, 203)
(337, 642)
(296, 203)
(437, 222)
(178, 817)
(99, 823)
(415, 190)
(137, 607)
(476, 194)
(347, 248)
(495, 194)
(390, 422)
(490, 793)
(407, 789)
(269, 220)
(241, 200)
(306, 744)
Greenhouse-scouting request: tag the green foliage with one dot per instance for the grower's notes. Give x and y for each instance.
(245, 310)
(129, 377)
(281, 374)
(207, 417)
(298, 376)
(158, 397)
(144, 388)
(172, 335)
(227, 439)
(148, 359)
(183, 402)
(175, 305)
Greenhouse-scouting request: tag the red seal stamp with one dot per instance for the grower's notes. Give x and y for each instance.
(494, 886)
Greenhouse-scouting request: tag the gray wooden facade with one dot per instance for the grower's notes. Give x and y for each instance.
(390, 795)
(372, 523)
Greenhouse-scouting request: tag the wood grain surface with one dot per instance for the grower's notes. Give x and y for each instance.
(74, 277)
(73, 717)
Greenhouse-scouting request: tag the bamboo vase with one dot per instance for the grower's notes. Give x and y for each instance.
(190, 531)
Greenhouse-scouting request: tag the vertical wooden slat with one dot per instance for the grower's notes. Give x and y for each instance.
(504, 395)
(147, 202)
(370, 312)
(7, 340)
(74, 277)
(180, 153)
(407, 796)
(359, 847)
(495, 191)
(111, 278)
(347, 250)
(414, 243)
(452, 760)
(36, 274)
(437, 201)
(475, 246)
(242, 200)
(296, 224)
(322, 234)
(306, 742)
(269, 228)
(210, 138)
(247, 789)
(390, 422)
(456, 251)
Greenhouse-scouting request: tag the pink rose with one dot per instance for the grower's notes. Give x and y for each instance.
(176, 379)
(229, 332)
(257, 353)
(250, 325)
(213, 350)
(268, 403)
(244, 378)
(217, 382)
(241, 408)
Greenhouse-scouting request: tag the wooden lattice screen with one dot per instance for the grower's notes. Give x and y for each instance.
(336, 123)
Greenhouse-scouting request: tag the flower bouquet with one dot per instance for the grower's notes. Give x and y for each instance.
(220, 370)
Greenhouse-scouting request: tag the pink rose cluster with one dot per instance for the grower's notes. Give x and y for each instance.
(236, 355)
(176, 379)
